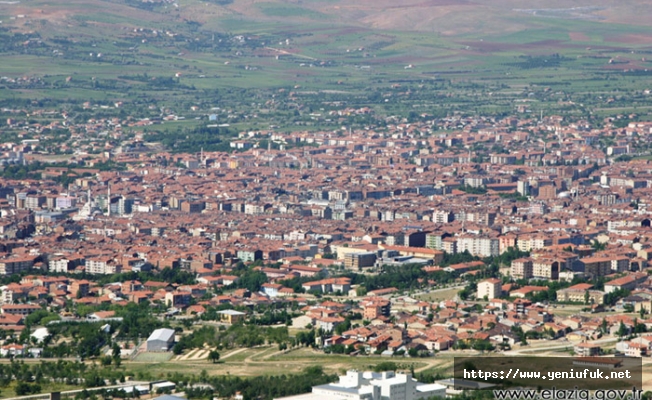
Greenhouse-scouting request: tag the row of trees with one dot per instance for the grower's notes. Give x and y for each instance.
(33, 375)
(262, 387)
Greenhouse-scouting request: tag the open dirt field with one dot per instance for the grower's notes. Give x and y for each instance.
(632, 39)
(578, 37)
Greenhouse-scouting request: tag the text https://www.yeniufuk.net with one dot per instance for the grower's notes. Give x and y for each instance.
(557, 394)
(550, 375)
(567, 394)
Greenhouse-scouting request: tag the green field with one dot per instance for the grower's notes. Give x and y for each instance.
(153, 357)
(338, 42)
(45, 388)
(268, 361)
(276, 62)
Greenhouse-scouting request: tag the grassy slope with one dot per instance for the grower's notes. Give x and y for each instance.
(333, 45)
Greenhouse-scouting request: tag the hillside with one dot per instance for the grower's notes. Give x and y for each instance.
(164, 48)
(452, 17)
(449, 18)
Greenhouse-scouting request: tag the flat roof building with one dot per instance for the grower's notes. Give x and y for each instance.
(386, 385)
(231, 316)
(160, 340)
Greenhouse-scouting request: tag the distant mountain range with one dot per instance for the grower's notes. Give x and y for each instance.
(443, 17)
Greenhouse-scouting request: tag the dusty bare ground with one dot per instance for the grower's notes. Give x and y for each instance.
(450, 17)
(578, 37)
(631, 39)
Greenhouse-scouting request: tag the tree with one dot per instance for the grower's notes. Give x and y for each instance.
(385, 366)
(598, 246)
(343, 327)
(521, 335)
(115, 351)
(639, 327)
(622, 330)
(214, 356)
(251, 280)
(203, 376)
(23, 388)
(482, 346)
(115, 355)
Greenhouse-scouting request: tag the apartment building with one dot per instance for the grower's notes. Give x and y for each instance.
(443, 217)
(479, 246)
(503, 159)
(102, 266)
(80, 288)
(596, 266)
(19, 309)
(375, 307)
(433, 241)
(627, 282)
(342, 285)
(587, 349)
(530, 243)
(581, 293)
(491, 288)
(544, 268)
(58, 264)
(16, 265)
(35, 202)
(13, 292)
(357, 261)
(522, 268)
(177, 299)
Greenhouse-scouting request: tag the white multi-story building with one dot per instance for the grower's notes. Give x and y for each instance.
(521, 268)
(433, 241)
(529, 243)
(490, 288)
(102, 266)
(442, 217)
(373, 386)
(63, 202)
(479, 246)
(58, 264)
(16, 265)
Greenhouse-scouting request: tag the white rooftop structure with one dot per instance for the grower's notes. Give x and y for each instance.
(231, 312)
(40, 334)
(160, 340)
(387, 385)
(161, 334)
